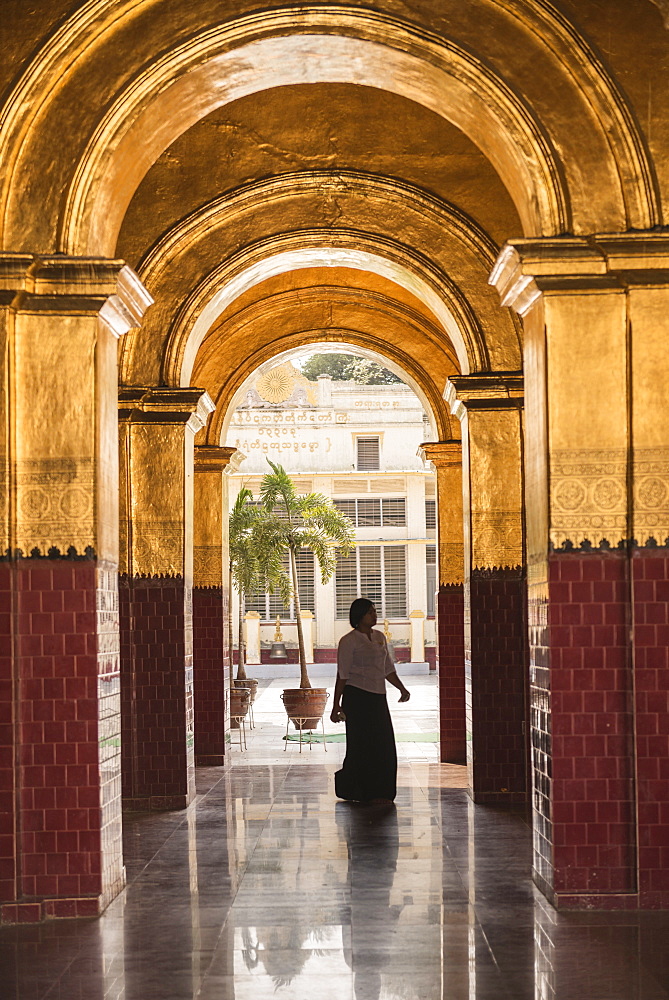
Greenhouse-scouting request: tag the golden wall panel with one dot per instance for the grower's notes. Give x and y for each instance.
(210, 511)
(54, 388)
(62, 320)
(495, 483)
(156, 431)
(535, 454)
(446, 457)
(649, 325)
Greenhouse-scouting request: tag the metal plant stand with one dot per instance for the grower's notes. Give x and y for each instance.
(301, 721)
(241, 729)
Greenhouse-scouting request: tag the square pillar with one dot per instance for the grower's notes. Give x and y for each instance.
(156, 432)
(489, 406)
(446, 458)
(595, 317)
(60, 320)
(211, 646)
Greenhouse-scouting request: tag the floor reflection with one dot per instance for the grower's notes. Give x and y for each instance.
(269, 888)
(390, 888)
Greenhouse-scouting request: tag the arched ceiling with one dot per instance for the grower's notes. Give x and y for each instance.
(315, 127)
(391, 219)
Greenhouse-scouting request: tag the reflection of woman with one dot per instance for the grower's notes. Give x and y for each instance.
(364, 665)
(375, 928)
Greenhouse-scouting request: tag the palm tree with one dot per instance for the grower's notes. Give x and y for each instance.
(290, 523)
(250, 568)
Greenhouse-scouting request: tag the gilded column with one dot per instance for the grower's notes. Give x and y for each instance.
(60, 319)
(490, 408)
(446, 458)
(157, 426)
(211, 649)
(596, 319)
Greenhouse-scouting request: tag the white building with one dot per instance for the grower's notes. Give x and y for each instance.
(358, 445)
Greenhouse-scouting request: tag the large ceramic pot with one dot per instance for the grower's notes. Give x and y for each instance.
(240, 699)
(249, 682)
(305, 706)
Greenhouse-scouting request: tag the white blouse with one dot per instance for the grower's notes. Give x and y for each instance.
(364, 662)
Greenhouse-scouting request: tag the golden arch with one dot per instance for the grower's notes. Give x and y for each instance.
(185, 266)
(235, 368)
(553, 193)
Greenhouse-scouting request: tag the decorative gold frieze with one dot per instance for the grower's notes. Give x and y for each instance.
(650, 514)
(55, 504)
(588, 496)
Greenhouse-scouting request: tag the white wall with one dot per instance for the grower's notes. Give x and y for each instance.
(315, 440)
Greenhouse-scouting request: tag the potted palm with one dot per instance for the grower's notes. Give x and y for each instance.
(248, 573)
(290, 523)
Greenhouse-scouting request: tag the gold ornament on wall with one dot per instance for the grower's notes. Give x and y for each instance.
(276, 385)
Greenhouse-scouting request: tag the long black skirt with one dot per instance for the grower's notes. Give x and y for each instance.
(370, 765)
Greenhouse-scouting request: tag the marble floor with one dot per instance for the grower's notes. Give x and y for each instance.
(267, 887)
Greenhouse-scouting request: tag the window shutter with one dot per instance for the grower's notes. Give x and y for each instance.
(395, 580)
(431, 515)
(430, 576)
(394, 513)
(368, 454)
(346, 583)
(369, 512)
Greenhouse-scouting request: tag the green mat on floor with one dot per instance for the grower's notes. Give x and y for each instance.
(340, 737)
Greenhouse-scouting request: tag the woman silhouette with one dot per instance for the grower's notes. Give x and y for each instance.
(364, 664)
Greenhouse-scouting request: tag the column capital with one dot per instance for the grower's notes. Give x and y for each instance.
(60, 284)
(484, 391)
(527, 268)
(165, 405)
(442, 454)
(212, 458)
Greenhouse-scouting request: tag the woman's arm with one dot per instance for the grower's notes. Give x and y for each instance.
(396, 682)
(337, 715)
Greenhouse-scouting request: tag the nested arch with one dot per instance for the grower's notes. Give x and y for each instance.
(201, 265)
(268, 258)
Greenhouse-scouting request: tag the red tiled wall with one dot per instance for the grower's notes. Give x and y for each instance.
(7, 748)
(496, 684)
(650, 578)
(209, 667)
(157, 693)
(591, 723)
(68, 843)
(451, 667)
(599, 630)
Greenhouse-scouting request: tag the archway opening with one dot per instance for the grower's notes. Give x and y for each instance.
(345, 425)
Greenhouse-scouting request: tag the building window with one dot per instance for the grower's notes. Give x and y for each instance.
(270, 606)
(431, 577)
(377, 572)
(370, 512)
(431, 515)
(368, 454)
